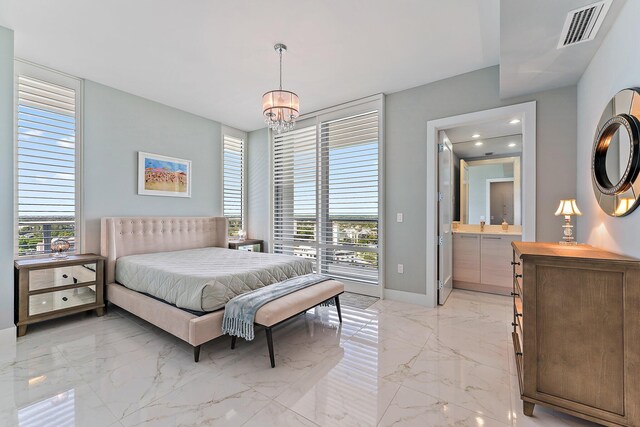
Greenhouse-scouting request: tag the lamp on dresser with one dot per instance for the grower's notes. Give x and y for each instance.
(568, 208)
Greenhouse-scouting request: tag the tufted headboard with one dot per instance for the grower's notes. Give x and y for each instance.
(139, 235)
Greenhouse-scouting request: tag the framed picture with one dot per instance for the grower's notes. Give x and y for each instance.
(163, 176)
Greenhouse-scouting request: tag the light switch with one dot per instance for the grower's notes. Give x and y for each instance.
(401, 268)
(399, 217)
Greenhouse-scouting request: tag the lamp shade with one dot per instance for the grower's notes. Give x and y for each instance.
(568, 207)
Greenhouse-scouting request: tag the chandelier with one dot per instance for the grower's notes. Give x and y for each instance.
(280, 107)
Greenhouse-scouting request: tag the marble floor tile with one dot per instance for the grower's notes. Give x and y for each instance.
(411, 408)
(210, 400)
(392, 364)
(473, 386)
(343, 395)
(277, 415)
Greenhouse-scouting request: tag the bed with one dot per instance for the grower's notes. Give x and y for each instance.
(137, 248)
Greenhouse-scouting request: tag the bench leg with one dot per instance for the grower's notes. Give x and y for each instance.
(196, 353)
(233, 341)
(337, 300)
(270, 344)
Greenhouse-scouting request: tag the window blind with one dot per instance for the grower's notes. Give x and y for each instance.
(294, 190)
(46, 163)
(349, 197)
(234, 183)
(326, 195)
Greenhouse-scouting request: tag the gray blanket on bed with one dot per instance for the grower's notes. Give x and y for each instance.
(240, 312)
(205, 279)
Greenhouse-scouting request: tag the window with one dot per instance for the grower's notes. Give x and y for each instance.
(326, 192)
(233, 183)
(48, 145)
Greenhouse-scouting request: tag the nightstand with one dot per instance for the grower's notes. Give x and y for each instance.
(46, 288)
(247, 245)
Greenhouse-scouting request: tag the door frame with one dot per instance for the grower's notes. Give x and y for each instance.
(526, 112)
(488, 196)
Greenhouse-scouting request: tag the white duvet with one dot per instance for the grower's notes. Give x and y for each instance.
(205, 279)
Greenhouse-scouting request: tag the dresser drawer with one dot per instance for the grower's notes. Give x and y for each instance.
(60, 300)
(61, 276)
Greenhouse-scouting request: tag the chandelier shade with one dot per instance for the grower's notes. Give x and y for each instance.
(280, 108)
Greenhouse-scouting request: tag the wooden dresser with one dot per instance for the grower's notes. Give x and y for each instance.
(576, 331)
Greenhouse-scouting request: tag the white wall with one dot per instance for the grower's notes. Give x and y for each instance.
(407, 113)
(116, 126)
(615, 66)
(6, 179)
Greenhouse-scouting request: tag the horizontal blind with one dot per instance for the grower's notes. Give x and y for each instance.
(348, 187)
(234, 183)
(46, 165)
(295, 190)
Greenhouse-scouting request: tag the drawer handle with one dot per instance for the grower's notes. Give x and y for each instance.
(517, 276)
(492, 237)
(65, 299)
(468, 237)
(64, 276)
(518, 353)
(514, 324)
(515, 263)
(515, 294)
(518, 314)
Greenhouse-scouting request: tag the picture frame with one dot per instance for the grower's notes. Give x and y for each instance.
(160, 175)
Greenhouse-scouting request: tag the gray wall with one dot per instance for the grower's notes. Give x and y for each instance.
(6, 178)
(407, 113)
(258, 204)
(116, 126)
(615, 66)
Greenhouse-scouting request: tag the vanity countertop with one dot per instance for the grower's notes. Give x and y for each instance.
(489, 233)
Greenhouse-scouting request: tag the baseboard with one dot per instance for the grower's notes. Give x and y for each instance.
(407, 297)
(8, 343)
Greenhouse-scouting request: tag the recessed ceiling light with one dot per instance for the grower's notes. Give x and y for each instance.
(515, 121)
(478, 144)
(475, 135)
(513, 144)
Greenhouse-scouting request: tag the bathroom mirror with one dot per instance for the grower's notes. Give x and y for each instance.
(616, 155)
(490, 191)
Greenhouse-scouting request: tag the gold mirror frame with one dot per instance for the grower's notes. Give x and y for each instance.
(622, 114)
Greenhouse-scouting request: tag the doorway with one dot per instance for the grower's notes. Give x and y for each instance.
(438, 254)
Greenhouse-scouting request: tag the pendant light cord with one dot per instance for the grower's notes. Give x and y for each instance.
(280, 69)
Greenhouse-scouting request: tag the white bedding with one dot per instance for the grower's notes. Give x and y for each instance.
(205, 279)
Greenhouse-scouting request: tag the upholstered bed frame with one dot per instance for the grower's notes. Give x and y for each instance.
(141, 235)
(138, 235)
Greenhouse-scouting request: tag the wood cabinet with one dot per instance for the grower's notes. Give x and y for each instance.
(576, 331)
(466, 258)
(481, 262)
(46, 288)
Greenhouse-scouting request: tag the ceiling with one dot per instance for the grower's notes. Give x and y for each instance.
(216, 59)
(529, 34)
(490, 147)
(494, 135)
(490, 129)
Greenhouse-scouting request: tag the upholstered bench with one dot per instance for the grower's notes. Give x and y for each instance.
(283, 309)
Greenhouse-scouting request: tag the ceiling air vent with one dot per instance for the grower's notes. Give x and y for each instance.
(583, 24)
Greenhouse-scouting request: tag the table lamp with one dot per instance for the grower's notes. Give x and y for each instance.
(568, 208)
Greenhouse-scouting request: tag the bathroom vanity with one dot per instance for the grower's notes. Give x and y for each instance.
(481, 260)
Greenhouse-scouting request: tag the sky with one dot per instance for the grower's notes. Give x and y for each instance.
(46, 157)
(164, 164)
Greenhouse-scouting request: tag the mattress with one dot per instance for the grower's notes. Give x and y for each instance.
(205, 279)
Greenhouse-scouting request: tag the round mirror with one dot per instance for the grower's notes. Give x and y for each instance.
(616, 155)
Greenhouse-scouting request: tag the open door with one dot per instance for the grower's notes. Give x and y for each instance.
(445, 212)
